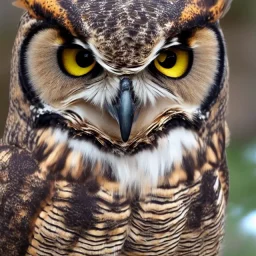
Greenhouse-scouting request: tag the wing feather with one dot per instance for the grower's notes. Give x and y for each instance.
(21, 193)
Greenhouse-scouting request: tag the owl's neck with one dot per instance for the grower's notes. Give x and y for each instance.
(78, 160)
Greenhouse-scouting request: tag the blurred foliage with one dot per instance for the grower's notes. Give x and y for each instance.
(241, 219)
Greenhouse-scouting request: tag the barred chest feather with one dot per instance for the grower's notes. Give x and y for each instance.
(102, 205)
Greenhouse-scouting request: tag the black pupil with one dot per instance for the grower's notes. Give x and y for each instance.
(84, 59)
(170, 60)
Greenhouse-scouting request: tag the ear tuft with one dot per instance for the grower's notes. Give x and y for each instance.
(20, 4)
(218, 8)
(226, 7)
(25, 5)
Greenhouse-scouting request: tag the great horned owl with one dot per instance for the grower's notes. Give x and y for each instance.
(116, 134)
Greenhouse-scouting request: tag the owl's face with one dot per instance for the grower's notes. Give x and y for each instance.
(123, 70)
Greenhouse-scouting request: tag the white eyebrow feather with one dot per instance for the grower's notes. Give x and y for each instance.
(81, 43)
(173, 42)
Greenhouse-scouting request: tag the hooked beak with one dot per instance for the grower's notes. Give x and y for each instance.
(123, 108)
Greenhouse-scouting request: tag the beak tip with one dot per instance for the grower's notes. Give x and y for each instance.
(124, 140)
(125, 137)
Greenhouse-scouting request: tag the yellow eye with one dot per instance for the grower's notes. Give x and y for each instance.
(77, 62)
(173, 63)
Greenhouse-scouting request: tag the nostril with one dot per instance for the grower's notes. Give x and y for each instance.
(126, 84)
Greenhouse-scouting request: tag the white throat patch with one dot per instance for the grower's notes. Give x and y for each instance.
(144, 168)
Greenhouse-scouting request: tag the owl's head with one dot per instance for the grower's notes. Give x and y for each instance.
(121, 73)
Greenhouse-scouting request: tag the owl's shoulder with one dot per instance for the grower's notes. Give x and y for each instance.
(21, 192)
(16, 161)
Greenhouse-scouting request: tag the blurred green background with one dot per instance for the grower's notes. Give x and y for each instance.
(240, 31)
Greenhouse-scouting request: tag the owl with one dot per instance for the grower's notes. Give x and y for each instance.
(116, 134)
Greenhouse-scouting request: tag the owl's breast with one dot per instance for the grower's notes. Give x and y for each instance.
(92, 219)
